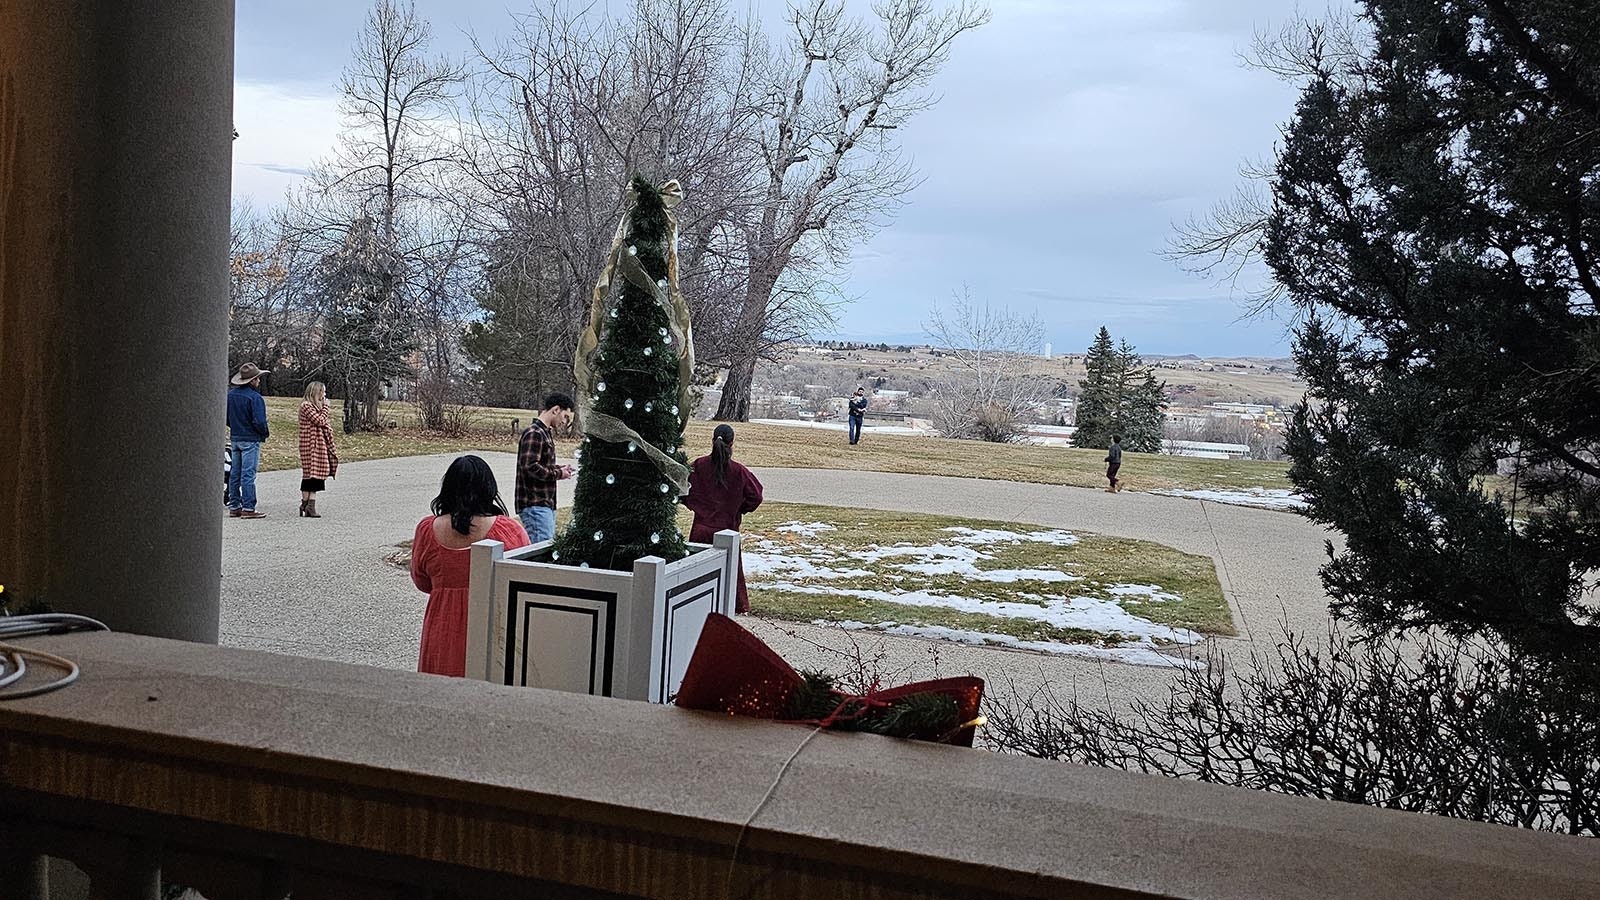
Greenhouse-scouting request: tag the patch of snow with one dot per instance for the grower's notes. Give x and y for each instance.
(979, 536)
(1133, 655)
(788, 565)
(936, 551)
(840, 426)
(958, 559)
(973, 573)
(808, 529)
(1086, 613)
(1153, 591)
(1262, 498)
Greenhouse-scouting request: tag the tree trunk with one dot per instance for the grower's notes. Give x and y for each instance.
(370, 412)
(735, 403)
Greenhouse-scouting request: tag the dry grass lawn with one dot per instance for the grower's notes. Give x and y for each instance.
(776, 445)
(1101, 562)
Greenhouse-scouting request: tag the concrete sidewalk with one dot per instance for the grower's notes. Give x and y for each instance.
(321, 588)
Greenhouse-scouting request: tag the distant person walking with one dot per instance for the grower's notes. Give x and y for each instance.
(1113, 463)
(721, 491)
(858, 411)
(468, 509)
(537, 472)
(247, 428)
(318, 459)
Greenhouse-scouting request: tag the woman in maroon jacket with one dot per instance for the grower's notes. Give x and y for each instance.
(721, 491)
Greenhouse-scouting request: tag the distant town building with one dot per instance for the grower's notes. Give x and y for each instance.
(1047, 349)
(1206, 449)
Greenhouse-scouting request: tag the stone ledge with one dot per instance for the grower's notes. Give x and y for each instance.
(630, 798)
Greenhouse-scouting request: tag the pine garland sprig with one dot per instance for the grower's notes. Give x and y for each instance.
(926, 716)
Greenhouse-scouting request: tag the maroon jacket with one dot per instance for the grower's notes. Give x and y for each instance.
(719, 506)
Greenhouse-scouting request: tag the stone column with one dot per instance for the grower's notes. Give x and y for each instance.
(115, 169)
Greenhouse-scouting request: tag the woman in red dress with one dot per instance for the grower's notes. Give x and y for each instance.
(721, 491)
(468, 509)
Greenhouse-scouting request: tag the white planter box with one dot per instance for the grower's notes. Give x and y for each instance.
(594, 631)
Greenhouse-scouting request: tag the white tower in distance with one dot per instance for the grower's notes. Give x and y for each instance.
(1047, 350)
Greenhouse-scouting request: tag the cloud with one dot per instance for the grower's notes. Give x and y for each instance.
(281, 170)
(1067, 138)
(284, 127)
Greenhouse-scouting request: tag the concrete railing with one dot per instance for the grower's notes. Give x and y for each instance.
(246, 774)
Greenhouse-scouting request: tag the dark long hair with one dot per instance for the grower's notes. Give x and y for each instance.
(722, 451)
(468, 490)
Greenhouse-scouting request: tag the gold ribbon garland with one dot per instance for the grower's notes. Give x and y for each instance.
(610, 428)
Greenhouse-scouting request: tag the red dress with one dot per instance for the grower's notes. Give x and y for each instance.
(719, 506)
(444, 572)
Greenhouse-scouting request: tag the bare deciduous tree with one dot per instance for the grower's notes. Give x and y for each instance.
(377, 206)
(563, 112)
(833, 91)
(271, 317)
(990, 389)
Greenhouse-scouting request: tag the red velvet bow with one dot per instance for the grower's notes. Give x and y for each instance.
(733, 671)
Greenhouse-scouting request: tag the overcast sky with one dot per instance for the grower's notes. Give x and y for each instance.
(1069, 139)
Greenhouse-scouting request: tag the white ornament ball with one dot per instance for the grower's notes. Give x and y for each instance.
(601, 387)
(628, 403)
(647, 351)
(611, 479)
(583, 565)
(674, 410)
(599, 535)
(633, 251)
(648, 406)
(655, 537)
(632, 446)
(665, 488)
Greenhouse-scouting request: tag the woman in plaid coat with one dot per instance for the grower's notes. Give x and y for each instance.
(318, 460)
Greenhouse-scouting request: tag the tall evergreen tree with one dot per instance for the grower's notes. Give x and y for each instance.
(1436, 216)
(1097, 393)
(1119, 395)
(1143, 409)
(367, 335)
(626, 506)
(522, 346)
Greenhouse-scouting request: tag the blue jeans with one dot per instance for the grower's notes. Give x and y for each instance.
(855, 429)
(540, 522)
(242, 475)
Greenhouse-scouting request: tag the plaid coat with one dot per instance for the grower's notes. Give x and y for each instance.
(318, 459)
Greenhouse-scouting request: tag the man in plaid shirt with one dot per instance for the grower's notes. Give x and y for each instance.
(537, 472)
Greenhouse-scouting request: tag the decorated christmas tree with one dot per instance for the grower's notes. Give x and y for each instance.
(632, 371)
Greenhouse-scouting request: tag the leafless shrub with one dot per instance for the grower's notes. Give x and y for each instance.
(440, 407)
(1441, 726)
(989, 392)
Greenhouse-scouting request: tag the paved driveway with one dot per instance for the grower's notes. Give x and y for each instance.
(320, 587)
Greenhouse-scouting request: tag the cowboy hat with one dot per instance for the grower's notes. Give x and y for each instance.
(247, 373)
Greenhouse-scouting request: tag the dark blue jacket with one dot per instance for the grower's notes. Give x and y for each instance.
(247, 414)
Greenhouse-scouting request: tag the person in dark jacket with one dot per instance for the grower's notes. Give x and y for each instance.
(1113, 463)
(721, 491)
(247, 428)
(858, 411)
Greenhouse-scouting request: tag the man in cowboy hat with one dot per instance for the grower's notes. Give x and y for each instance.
(247, 428)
